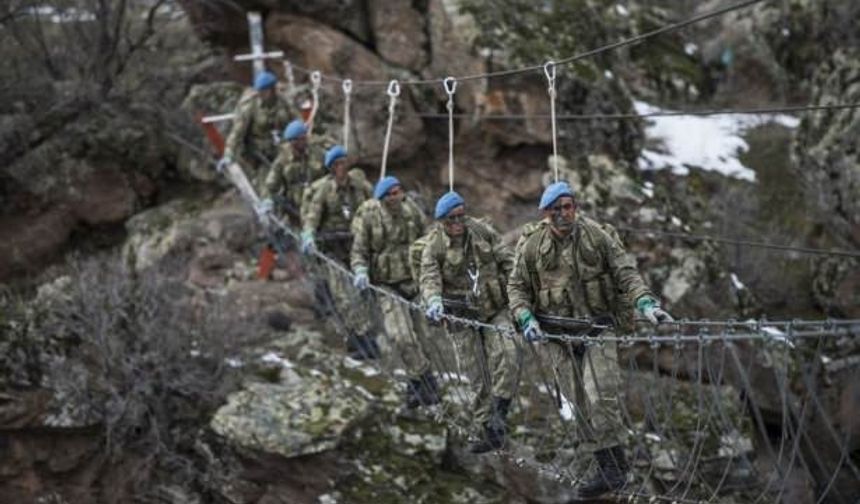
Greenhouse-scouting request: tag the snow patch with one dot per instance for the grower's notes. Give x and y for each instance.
(273, 358)
(690, 48)
(712, 143)
(621, 10)
(737, 282)
(777, 335)
(233, 362)
(567, 411)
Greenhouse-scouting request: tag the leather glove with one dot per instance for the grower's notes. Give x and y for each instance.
(531, 328)
(223, 163)
(650, 309)
(264, 207)
(308, 244)
(360, 281)
(435, 310)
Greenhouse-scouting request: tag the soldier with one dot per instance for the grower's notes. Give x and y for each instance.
(383, 229)
(464, 271)
(259, 118)
(326, 220)
(298, 165)
(569, 266)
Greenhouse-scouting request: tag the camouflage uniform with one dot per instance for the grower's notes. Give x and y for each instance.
(291, 175)
(446, 263)
(381, 241)
(330, 211)
(586, 274)
(256, 131)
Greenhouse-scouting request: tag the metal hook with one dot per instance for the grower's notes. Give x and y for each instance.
(393, 88)
(450, 84)
(549, 71)
(347, 86)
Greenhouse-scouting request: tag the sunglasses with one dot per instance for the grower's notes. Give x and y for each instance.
(566, 207)
(455, 219)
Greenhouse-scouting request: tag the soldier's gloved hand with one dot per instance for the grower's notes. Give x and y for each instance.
(360, 281)
(264, 207)
(435, 309)
(308, 244)
(531, 328)
(650, 309)
(223, 163)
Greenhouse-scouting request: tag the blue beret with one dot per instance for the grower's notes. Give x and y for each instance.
(264, 80)
(449, 201)
(554, 192)
(295, 129)
(384, 185)
(333, 154)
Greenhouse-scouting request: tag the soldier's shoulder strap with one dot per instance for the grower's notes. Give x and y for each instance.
(369, 210)
(416, 251)
(247, 98)
(483, 228)
(412, 209)
(357, 177)
(528, 246)
(325, 182)
(600, 231)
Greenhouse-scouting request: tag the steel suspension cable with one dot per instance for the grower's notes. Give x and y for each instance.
(787, 109)
(745, 243)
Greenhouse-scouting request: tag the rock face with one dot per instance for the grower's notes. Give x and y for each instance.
(56, 194)
(829, 167)
(826, 160)
(299, 417)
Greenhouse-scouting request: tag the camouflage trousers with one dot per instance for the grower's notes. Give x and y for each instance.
(490, 360)
(591, 381)
(347, 302)
(408, 333)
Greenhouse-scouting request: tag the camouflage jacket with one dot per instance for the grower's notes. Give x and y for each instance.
(448, 267)
(257, 128)
(291, 175)
(585, 274)
(381, 241)
(331, 208)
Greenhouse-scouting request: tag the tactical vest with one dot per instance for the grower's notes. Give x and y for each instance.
(301, 173)
(575, 281)
(470, 272)
(264, 127)
(338, 208)
(390, 240)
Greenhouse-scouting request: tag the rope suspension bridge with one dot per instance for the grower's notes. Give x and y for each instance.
(744, 383)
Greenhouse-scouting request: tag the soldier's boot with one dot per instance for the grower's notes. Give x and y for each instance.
(611, 474)
(495, 429)
(362, 347)
(423, 391)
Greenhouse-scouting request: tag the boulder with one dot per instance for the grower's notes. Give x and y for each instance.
(304, 417)
(320, 47)
(399, 34)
